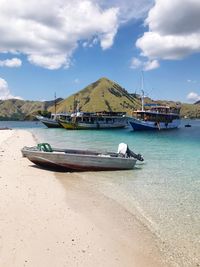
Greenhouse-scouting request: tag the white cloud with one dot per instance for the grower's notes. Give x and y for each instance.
(137, 63)
(191, 81)
(174, 30)
(11, 63)
(151, 65)
(49, 32)
(192, 96)
(128, 10)
(5, 91)
(49, 61)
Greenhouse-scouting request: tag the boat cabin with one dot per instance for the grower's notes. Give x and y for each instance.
(97, 117)
(57, 116)
(158, 114)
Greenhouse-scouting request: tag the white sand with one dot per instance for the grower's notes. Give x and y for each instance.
(54, 220)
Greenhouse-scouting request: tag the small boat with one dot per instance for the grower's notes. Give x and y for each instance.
(81, 160)
(53, 121)
(188, 125)
(94, 120)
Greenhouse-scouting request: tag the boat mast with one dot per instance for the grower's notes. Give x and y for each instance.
(55, 103)
(142, 89)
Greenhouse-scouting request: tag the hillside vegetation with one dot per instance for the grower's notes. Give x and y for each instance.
(102, 95)
(15, 109)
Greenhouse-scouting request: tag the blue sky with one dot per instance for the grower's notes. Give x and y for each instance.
(67, 47)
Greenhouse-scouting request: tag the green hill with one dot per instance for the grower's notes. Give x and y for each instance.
(15, 109)
(190, 110)
(102, 95)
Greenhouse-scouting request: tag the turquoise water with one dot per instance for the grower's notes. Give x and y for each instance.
(163, 192)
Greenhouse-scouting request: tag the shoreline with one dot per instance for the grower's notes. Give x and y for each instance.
(56, 219)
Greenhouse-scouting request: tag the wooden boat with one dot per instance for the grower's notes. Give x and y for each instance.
(53, 121)
(80, 160)
(95, 120)
(155, 118)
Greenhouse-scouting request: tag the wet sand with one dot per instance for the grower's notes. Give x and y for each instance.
(50, 219)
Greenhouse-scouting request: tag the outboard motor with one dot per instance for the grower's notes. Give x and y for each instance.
(124, 151)
(130, 154)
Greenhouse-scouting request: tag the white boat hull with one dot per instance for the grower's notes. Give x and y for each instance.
(78, 160)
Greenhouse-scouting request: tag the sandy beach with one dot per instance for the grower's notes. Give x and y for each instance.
(57, 220)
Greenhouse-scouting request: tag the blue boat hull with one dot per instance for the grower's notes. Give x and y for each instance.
(138, 125)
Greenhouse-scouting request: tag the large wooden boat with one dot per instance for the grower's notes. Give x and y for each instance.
(53, 121)
(155, 118)
(81, 160)
(96, 120)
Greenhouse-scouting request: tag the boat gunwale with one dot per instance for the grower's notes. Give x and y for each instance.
(98, 155)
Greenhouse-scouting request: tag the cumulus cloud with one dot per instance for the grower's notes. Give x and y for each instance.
(137, 63)
(11, 63)
(128, 10)
(174, 30)
(151, 65)
(49, 32)
(193, 97)
(5, 91)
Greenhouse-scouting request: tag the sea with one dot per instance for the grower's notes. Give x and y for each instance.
(163, 191)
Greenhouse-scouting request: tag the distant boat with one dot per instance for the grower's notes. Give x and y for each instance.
(53, 121)
(188, 125)
(81, 160)
(95, 120)
(155, 117)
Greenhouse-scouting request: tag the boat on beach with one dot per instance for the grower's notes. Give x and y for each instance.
(94, 120)
(81, 160)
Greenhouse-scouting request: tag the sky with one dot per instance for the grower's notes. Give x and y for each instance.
(61, 46)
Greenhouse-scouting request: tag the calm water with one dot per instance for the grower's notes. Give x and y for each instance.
(163, 192)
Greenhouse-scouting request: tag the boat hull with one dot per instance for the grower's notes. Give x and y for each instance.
(79, 162)
(140, 125)
(50, 123)
(92, 126)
